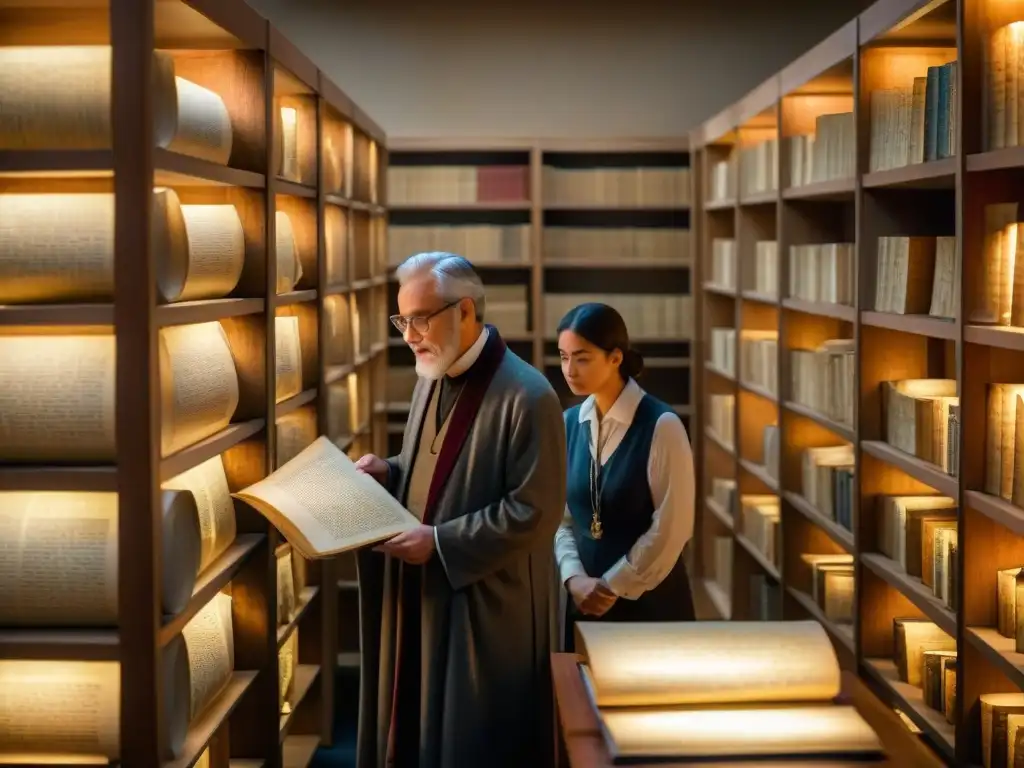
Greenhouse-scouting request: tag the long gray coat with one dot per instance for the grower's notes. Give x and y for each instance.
(487, 605)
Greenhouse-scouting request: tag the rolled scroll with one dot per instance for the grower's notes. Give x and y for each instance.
(335, 245)
(288, 357)
(60, 248)
(295, 430)
(287, 603)
(215, 510)
(57, 399)
(64, 709)
(288, 122)
(289, 266)
(198, 384)
(59, 97)
(59, 557)
(200, 248)
(210, 644)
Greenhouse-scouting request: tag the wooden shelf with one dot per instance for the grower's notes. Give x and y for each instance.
(838, 311)
(937, 174)
(836, 532)
(836, 189)
(843, 633)
(229, 49)
(891, 44)
(913, 589)
(911, 701)
(550, 196)
(922, 325)
(842, 430)
(203, 729)
(929, 474)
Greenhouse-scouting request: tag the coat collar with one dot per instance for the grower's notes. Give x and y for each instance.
(621, 411)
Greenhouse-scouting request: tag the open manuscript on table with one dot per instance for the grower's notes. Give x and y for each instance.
(323, 505)
(720, 690)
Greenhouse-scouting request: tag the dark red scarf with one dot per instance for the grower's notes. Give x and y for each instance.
(478, 379)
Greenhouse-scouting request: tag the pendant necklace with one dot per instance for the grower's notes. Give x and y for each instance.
(596, 486)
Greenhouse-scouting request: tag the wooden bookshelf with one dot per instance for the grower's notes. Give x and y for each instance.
(297, 174)
(943, 194)
(598, 220)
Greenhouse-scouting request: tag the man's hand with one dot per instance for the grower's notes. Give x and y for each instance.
(375, 467)
(415, 546)
(592, 596)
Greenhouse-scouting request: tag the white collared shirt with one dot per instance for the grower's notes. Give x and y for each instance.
(670, 478)
(466, 360)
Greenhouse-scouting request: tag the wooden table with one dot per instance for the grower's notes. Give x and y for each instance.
(582, 746)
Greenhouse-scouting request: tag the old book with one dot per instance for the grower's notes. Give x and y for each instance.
(899, 535)
(932, 687)
(323, 505)
(912, 637)
(1000, 438)
(946, 285)
(934, 550)
(944, 543)
(693, 690)
(993, 301)
(949, 689)
(917, 416)
(995, 707)
(905, 273)
(1017, 495)
(1018, 602)
(199, 249)
(59, 567)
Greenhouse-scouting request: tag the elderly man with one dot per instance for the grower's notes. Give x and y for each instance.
(458, 615)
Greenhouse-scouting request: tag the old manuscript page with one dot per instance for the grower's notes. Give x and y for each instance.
(664, 664)
(324, 505)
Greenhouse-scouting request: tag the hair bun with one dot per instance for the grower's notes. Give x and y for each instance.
(632, 363)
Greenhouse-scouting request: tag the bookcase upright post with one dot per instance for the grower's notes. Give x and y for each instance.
(137, 382)
(154, 474)
(942, 188)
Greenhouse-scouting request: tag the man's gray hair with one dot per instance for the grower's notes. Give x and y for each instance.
(456, 279)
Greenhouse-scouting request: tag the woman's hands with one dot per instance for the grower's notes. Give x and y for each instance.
(592, 596)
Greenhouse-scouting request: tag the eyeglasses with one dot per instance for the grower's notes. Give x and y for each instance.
(420, 324)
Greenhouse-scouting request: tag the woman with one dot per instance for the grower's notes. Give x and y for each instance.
(630, 505)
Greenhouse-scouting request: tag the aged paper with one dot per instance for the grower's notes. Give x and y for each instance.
(324, 505)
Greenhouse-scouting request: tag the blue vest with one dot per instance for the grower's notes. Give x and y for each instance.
(626, 506)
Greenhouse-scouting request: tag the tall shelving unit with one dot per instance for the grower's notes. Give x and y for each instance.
(137, 396)
(942, 196)
(552, 223)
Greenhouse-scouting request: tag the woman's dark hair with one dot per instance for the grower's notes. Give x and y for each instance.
(603, 327)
